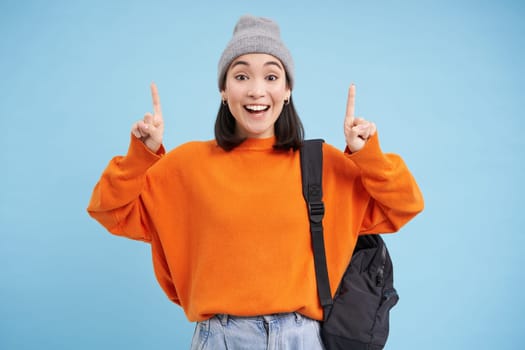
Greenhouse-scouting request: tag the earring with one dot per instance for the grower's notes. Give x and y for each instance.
(224, 102)
(287, 101)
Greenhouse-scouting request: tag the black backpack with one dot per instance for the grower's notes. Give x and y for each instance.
(357, 318)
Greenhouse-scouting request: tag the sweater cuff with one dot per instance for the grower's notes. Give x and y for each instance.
(370, 156)
(139, 157)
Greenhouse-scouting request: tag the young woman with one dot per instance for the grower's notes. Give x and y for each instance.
(226, 218)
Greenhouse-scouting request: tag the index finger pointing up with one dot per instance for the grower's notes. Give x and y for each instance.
(157, 111)
(350, 104)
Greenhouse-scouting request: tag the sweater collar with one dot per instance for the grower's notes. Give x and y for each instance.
(257, 144)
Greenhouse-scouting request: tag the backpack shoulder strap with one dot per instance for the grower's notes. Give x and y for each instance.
(312, 178)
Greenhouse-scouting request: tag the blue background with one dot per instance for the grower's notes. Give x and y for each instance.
(443, 80)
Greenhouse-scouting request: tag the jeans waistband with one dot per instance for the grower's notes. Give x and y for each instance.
(262, 318)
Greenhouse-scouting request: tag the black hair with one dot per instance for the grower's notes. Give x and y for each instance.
(288, 129)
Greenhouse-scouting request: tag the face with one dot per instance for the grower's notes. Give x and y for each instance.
(256, 90)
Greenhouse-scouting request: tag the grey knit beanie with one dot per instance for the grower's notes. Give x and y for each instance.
(256, 35)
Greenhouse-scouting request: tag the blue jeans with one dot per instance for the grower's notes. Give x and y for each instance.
(289, 331)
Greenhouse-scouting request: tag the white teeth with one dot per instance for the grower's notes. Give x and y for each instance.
(256, 108)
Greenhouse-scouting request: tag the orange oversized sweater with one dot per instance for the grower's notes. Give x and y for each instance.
(229, 230)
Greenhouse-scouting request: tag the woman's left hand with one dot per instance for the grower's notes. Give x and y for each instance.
(357, 130)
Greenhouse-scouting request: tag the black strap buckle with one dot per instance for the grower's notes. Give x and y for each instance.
(316, 210)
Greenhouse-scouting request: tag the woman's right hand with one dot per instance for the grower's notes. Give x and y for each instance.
(150, 130)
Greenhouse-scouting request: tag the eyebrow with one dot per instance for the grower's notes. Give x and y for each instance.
(269, 63)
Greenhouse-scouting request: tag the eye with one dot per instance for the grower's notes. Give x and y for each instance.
(272, 77)
(241, 77)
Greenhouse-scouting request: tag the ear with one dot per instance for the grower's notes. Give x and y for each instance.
(288, 92)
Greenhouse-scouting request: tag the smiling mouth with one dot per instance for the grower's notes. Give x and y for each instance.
(256, 108)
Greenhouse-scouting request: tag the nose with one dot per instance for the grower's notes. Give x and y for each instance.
(257, 88)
